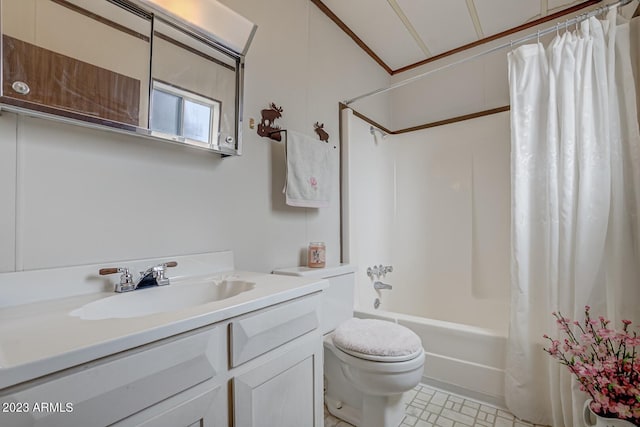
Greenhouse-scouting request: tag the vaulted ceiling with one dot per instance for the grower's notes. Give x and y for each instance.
(400, 33)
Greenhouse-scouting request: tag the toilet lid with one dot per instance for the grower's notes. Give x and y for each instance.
(377, 340)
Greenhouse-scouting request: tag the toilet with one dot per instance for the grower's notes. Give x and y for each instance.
(368, 363)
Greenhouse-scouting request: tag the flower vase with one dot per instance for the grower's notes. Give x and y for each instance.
(589, 417)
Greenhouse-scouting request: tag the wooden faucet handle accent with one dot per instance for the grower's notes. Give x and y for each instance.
(105, 271)
(170, 264)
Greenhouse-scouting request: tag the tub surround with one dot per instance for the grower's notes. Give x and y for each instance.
(38, 336)
(452, 286)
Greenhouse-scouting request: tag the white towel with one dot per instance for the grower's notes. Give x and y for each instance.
(308, 182)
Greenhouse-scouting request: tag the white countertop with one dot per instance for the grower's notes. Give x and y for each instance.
(39, 338)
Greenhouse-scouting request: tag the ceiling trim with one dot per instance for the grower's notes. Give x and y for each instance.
(409, 26)
(482, 41)
(344, 27)
(500, 35)
(544, 7)
(473, 13)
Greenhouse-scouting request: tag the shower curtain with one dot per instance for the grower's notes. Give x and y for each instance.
(575, 172)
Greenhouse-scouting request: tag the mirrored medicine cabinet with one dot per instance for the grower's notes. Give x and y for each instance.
(164, 69)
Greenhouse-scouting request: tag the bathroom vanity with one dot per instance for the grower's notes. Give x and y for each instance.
(250, 359)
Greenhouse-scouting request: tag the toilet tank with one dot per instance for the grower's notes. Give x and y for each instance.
(337, 299)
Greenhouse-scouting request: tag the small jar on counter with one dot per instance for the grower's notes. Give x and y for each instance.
(316, 255)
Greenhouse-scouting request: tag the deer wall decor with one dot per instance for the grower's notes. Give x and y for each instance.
(322, 134)
(267, 127)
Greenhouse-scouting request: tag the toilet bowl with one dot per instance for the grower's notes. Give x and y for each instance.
(368, 371)
(368, 364)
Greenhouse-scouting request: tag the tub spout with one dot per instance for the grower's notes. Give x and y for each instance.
(379, 285)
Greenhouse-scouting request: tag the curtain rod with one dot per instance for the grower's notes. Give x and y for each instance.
(537, 34)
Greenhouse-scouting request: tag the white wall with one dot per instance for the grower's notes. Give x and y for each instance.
(82, 196)
(466, 88)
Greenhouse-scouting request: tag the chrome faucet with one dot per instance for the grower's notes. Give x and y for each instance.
(378, 285)
(157, 274)
(152, 276)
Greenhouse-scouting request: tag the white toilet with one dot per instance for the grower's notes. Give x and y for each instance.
(368, 364)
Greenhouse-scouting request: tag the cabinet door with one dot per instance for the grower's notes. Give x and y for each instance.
(203, 406)
(284, 392)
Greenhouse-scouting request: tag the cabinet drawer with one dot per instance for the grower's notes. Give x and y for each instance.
(258, 333)
(104, 392)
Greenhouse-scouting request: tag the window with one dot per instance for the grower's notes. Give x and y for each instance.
(176, 111)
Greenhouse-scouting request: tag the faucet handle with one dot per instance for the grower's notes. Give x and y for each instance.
(126, 276)
(126, 279)
(160, 270)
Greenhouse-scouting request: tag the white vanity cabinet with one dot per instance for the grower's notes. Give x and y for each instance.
(259, 369)
(286, 391)
(108, 390)
(279, 378)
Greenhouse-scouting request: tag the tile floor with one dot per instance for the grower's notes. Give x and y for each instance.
(429, 407)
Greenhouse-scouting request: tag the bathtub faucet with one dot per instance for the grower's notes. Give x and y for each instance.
(379, 271)
(379, 285)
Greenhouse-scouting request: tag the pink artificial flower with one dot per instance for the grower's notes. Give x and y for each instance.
(606, 363)
(587, 339)
(606, 333)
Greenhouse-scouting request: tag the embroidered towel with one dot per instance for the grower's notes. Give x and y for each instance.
(308, 181)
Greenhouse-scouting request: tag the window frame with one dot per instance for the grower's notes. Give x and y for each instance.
(186, 95)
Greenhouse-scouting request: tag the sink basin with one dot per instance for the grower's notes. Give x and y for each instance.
(159, 299)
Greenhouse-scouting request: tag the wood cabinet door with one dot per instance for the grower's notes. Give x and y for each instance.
(66, 83)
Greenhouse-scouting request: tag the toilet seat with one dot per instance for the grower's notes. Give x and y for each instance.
(377, 340)
(373, 366)
(374, 358)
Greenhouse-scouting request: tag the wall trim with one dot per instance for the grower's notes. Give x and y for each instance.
(344, 27)
(448, 121)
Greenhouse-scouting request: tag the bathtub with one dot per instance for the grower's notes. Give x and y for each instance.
(463, 359)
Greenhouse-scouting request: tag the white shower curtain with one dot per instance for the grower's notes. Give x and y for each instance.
(575, 171)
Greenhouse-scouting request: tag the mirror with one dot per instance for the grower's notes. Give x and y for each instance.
(94, 67)
(127, 65)
(193, 89)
